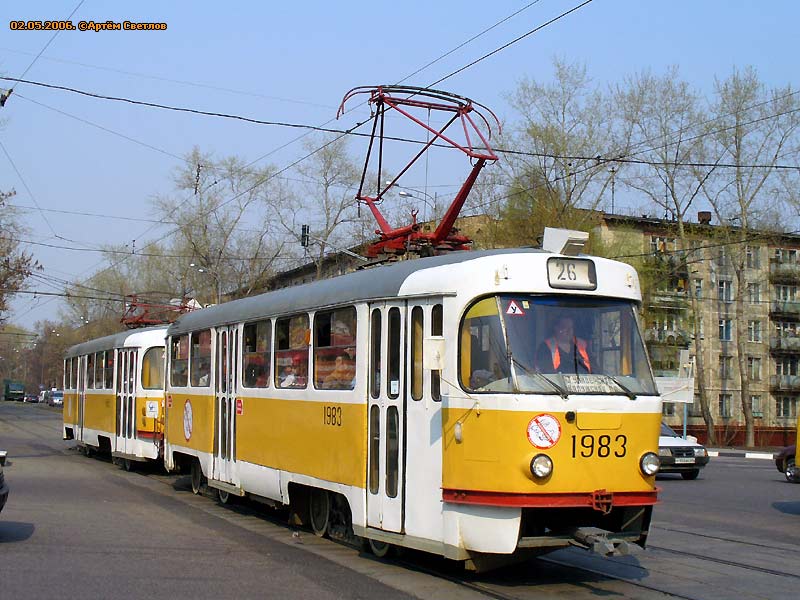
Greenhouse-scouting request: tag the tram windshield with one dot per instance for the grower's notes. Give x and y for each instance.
(523, 343)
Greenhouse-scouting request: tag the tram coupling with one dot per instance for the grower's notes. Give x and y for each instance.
(598, 541)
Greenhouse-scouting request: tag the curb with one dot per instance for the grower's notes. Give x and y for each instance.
(740, 454)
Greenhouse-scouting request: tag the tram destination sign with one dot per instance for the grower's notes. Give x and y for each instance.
(571, 273)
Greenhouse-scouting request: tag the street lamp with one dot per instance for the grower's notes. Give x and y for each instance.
(407, 192)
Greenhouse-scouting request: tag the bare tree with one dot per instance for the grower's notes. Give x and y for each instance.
(661, 117)
(563, 128)
(325, 200)
(16, 265)
(756, 130)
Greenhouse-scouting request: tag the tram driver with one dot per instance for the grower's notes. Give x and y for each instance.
(563, 351)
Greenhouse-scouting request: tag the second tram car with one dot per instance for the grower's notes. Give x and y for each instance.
(114, 395)
(436, 404)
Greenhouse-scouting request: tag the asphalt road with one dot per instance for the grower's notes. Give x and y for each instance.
(80, 526)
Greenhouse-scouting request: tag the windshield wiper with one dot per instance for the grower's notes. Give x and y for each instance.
(628, 392)
(561, 391)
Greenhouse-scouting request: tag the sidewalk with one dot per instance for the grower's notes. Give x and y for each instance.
(740, 453)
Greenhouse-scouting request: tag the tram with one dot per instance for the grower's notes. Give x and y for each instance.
(114, 395)
(409, 404)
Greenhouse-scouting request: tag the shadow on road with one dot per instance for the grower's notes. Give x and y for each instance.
(13, 531)
(788, 508)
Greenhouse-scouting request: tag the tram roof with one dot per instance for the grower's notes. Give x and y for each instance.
(368, 284)
(115, 340)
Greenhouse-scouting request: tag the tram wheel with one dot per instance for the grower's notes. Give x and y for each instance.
(690, 475)
(128, 465)
(224, 497)
(379, 548)
(319, 509)
(197, 477)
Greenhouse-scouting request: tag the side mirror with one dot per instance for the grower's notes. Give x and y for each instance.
(433, 349)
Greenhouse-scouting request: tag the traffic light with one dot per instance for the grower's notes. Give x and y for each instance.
(304, 236)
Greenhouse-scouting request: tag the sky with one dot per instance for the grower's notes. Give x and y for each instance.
(292, 62)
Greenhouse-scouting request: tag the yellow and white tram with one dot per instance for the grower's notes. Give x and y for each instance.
(114, 394)
(410, 402)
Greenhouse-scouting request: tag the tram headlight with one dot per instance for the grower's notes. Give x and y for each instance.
(649, 463)
(541, 466)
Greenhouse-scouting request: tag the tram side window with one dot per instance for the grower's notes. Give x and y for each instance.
(90, 372)
(74, 371)
(417, 333)
(335, 349)
(99, 372)
(375, 354)
(153, 368)
(179, 361)
(108, 369)
(483, 356)
(67, 371)
(200, 358)
(374, 447)
(257, 353)
(395, 352)
(291, 352)
(436, 329)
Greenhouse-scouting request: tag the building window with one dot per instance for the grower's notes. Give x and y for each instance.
(725, 330)
(695, 408)
(722, 256)
(755, 406)
(786, 293)
(668, 409)
(725, 290)
(725, 402)
(786, 407)
(754, 293)
(786, 366)
(754, 368)
(786, 328)
(698, 288)
(754, 331)
(753, 257)
(661, 244)
(725, 367)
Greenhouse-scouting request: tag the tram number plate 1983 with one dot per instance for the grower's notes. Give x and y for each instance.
(571, 273)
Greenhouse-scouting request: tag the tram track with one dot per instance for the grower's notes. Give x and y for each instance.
(730, 563)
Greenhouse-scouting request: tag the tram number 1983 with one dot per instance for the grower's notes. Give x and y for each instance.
(332, 416)
(601, 446)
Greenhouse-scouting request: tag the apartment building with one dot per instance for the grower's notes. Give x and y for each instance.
(771, 326)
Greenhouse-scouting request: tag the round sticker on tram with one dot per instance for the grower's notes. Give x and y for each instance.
(187, 420)
(544, 431)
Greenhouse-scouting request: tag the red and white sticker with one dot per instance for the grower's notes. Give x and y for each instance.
(544, 431)
(514, 309)
(239, 406)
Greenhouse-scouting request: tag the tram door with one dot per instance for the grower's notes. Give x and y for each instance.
(225, 386)
(81, 393)
(126, 401)
(387, 390)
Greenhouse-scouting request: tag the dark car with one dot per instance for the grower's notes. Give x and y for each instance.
(678, 455)
(785, 463)
(3, 486)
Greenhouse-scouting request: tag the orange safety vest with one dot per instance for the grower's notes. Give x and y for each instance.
(556, 355)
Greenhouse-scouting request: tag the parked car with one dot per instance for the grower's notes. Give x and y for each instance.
(680, 455)
(55, 398)
(785, 463)
(3, 486)
(31, 398)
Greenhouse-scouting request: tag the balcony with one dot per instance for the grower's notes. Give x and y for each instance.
(790, 308)
(669, 337)
(784, 271)
(784, 343)
(673, 300)
(784, 383)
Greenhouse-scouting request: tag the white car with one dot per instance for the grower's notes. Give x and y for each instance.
(678, 455)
